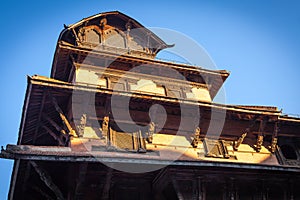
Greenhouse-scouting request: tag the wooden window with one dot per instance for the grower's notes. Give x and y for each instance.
(215, 148)
(131, 142)
(288, 152)
(288, 155)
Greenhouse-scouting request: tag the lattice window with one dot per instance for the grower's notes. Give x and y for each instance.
(127, 141)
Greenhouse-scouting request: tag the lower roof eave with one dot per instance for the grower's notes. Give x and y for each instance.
(65, 155)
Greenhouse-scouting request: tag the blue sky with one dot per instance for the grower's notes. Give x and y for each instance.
(257, 41)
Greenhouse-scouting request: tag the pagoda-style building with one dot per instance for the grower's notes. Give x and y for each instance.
(113, 122)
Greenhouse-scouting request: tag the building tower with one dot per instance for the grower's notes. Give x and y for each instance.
(113, 122)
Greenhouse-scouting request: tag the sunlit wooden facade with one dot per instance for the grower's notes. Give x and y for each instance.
(77, 141)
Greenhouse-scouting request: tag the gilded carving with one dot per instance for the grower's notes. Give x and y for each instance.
(151, 131)
(196, 138)
(81, 126)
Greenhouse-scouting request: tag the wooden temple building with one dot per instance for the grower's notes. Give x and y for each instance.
(113, 122)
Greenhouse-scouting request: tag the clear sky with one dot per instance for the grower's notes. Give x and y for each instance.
(257, 41)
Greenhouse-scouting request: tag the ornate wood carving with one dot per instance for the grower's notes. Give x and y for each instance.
(240, 140)
(81, 126)
(151, 131)
(196, 138)
(275, 138)
(260, 137)
(237, 143)
(105, 127)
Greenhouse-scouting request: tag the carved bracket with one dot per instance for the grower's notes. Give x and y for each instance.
(260, 137)
(196, 138)
(105, 125)
(81, 126)
(151, 131)
(64, 119)
(240, 140)
(274, 137)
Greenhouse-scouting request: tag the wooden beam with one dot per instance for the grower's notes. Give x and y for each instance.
(64, 119)
(46, 178)
(53, 123)
(56, 137)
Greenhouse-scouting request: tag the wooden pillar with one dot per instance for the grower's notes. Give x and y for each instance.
(200, 189)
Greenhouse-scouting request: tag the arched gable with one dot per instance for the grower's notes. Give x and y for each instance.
(113, 30)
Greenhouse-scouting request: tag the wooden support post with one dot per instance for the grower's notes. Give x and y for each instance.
(56, 137)
(82, 171)
(46, 178)
(200, 189)
(274, 137)
(260, 137)
(64, 119)
(232, 189)
(106, 187)
(177, 189)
